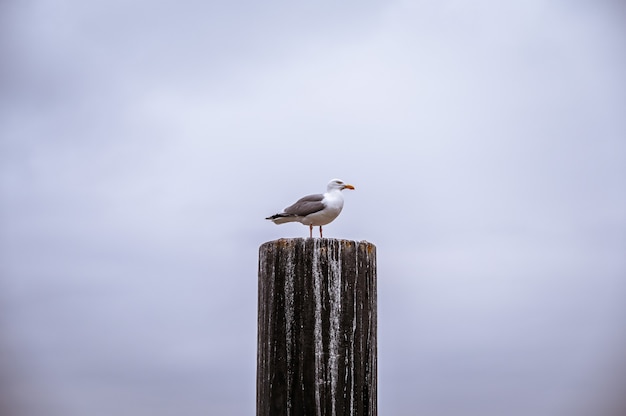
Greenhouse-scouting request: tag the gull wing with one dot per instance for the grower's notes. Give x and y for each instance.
(306, 205)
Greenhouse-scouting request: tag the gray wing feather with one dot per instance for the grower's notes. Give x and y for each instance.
(306, 205)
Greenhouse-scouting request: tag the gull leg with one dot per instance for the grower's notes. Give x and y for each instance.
(320, 231)
(311, 231)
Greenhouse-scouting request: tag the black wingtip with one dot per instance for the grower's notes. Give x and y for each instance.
(281, 215)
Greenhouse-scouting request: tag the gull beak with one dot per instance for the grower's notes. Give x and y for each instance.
(348, 186)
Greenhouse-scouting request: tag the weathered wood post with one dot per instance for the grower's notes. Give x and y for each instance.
(316, 351)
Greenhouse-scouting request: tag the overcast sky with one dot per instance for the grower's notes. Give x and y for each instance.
(143, 143)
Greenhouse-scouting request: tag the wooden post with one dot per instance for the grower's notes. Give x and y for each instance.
(316, 351)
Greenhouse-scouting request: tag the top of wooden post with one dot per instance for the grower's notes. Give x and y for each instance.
(285, 243)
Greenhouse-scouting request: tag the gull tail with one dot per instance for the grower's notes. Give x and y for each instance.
(282, 218)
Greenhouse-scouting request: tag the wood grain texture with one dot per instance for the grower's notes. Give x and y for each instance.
(317, 328)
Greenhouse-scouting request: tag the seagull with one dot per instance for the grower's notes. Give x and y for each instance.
(315, 210)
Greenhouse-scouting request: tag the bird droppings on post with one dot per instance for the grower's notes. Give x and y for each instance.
(317, 328)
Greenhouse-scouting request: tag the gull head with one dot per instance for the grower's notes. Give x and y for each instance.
(338, 184)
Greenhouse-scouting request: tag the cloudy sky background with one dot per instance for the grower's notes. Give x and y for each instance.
(142, 144)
